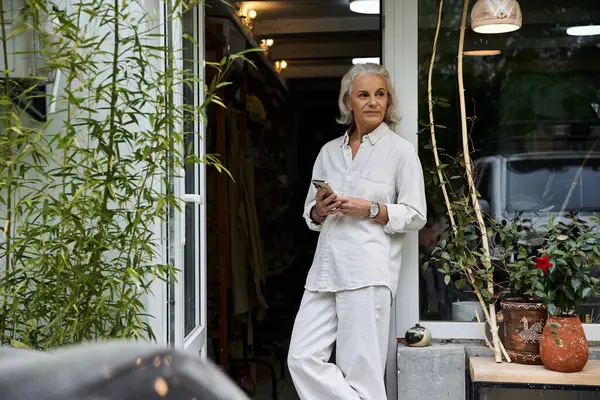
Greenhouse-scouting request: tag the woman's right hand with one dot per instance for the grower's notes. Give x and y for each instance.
(326, 205)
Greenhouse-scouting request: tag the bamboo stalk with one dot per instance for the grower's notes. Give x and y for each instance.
(467, 272)
(8, 230)
(432, 123)
(491, 312)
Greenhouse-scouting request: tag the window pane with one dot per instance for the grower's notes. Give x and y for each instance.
(190, 282)
(531, 116)
(188, 98)
(189, 268)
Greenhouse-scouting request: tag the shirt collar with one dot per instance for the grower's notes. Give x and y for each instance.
(373, 136)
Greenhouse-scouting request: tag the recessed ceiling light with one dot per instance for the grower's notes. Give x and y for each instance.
(365, 60)
(585, 30)
(365, 6)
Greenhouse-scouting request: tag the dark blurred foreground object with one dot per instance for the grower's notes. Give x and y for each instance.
(111, 371)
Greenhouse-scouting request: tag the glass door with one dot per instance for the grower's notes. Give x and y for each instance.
(188, 291)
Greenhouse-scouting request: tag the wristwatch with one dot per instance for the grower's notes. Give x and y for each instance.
(374, 210)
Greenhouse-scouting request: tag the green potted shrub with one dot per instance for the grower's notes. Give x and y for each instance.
(571, 248)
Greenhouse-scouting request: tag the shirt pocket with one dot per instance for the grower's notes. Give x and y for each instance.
(378, 186)
(377, 177)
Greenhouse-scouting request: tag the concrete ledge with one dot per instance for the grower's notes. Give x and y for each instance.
(432, 373)
(439, 372)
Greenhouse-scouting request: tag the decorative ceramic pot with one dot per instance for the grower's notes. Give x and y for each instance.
(564, 347)
(523, 326)
(418, 336)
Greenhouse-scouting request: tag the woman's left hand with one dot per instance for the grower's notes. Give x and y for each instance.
(354, 207)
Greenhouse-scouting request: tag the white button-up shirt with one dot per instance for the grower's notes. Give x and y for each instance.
(355, 252)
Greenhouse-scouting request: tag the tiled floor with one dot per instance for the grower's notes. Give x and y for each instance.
(286, 390)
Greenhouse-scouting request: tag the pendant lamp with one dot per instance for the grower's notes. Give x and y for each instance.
(496, 16)
(483, 46)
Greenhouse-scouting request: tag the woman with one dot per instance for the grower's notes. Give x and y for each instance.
(379, 196)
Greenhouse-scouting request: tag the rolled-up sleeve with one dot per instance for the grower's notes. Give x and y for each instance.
(312, 192)
(409, 213)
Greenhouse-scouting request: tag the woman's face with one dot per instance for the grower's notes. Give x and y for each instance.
(368, 101)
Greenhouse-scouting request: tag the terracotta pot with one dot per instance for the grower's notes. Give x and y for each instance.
(523, 326)
(563, 347)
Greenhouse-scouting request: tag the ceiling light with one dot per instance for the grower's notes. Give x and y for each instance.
(280, 66)
(496, 16)
(265, 45)
(365, 6)
(252, 14)
(584, 30)
(365, 60)
(482, 53)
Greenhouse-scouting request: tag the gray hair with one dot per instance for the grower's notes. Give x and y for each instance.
(346, 117)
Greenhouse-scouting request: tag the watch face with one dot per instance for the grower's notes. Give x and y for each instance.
(374, 209)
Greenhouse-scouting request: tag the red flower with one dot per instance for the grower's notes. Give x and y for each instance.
(543, 263)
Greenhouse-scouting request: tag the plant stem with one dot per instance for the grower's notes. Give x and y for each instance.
(110, 150)
(114, 97)
(432, 122)
(485, 259)
(468, 272)
(9, 178)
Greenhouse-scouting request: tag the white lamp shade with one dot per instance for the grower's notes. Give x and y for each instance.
(365, 6)
(496, 16)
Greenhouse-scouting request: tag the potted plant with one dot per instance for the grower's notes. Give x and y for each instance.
(523, 312)
(571, 248)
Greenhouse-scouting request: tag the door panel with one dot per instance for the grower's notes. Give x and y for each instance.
(188, 300)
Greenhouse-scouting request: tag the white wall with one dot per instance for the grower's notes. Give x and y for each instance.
(400, 57)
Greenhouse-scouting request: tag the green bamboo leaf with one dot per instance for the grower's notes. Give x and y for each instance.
(219, 102)
(17, 344)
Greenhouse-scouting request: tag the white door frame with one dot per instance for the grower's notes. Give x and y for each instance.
(400, 20)
(194, 341)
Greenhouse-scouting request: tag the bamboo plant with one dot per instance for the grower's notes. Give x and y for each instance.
(87, 185)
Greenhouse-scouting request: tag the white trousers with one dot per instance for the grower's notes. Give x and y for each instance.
(357, 321)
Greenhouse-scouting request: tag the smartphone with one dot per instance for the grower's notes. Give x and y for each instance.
(319, 184)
